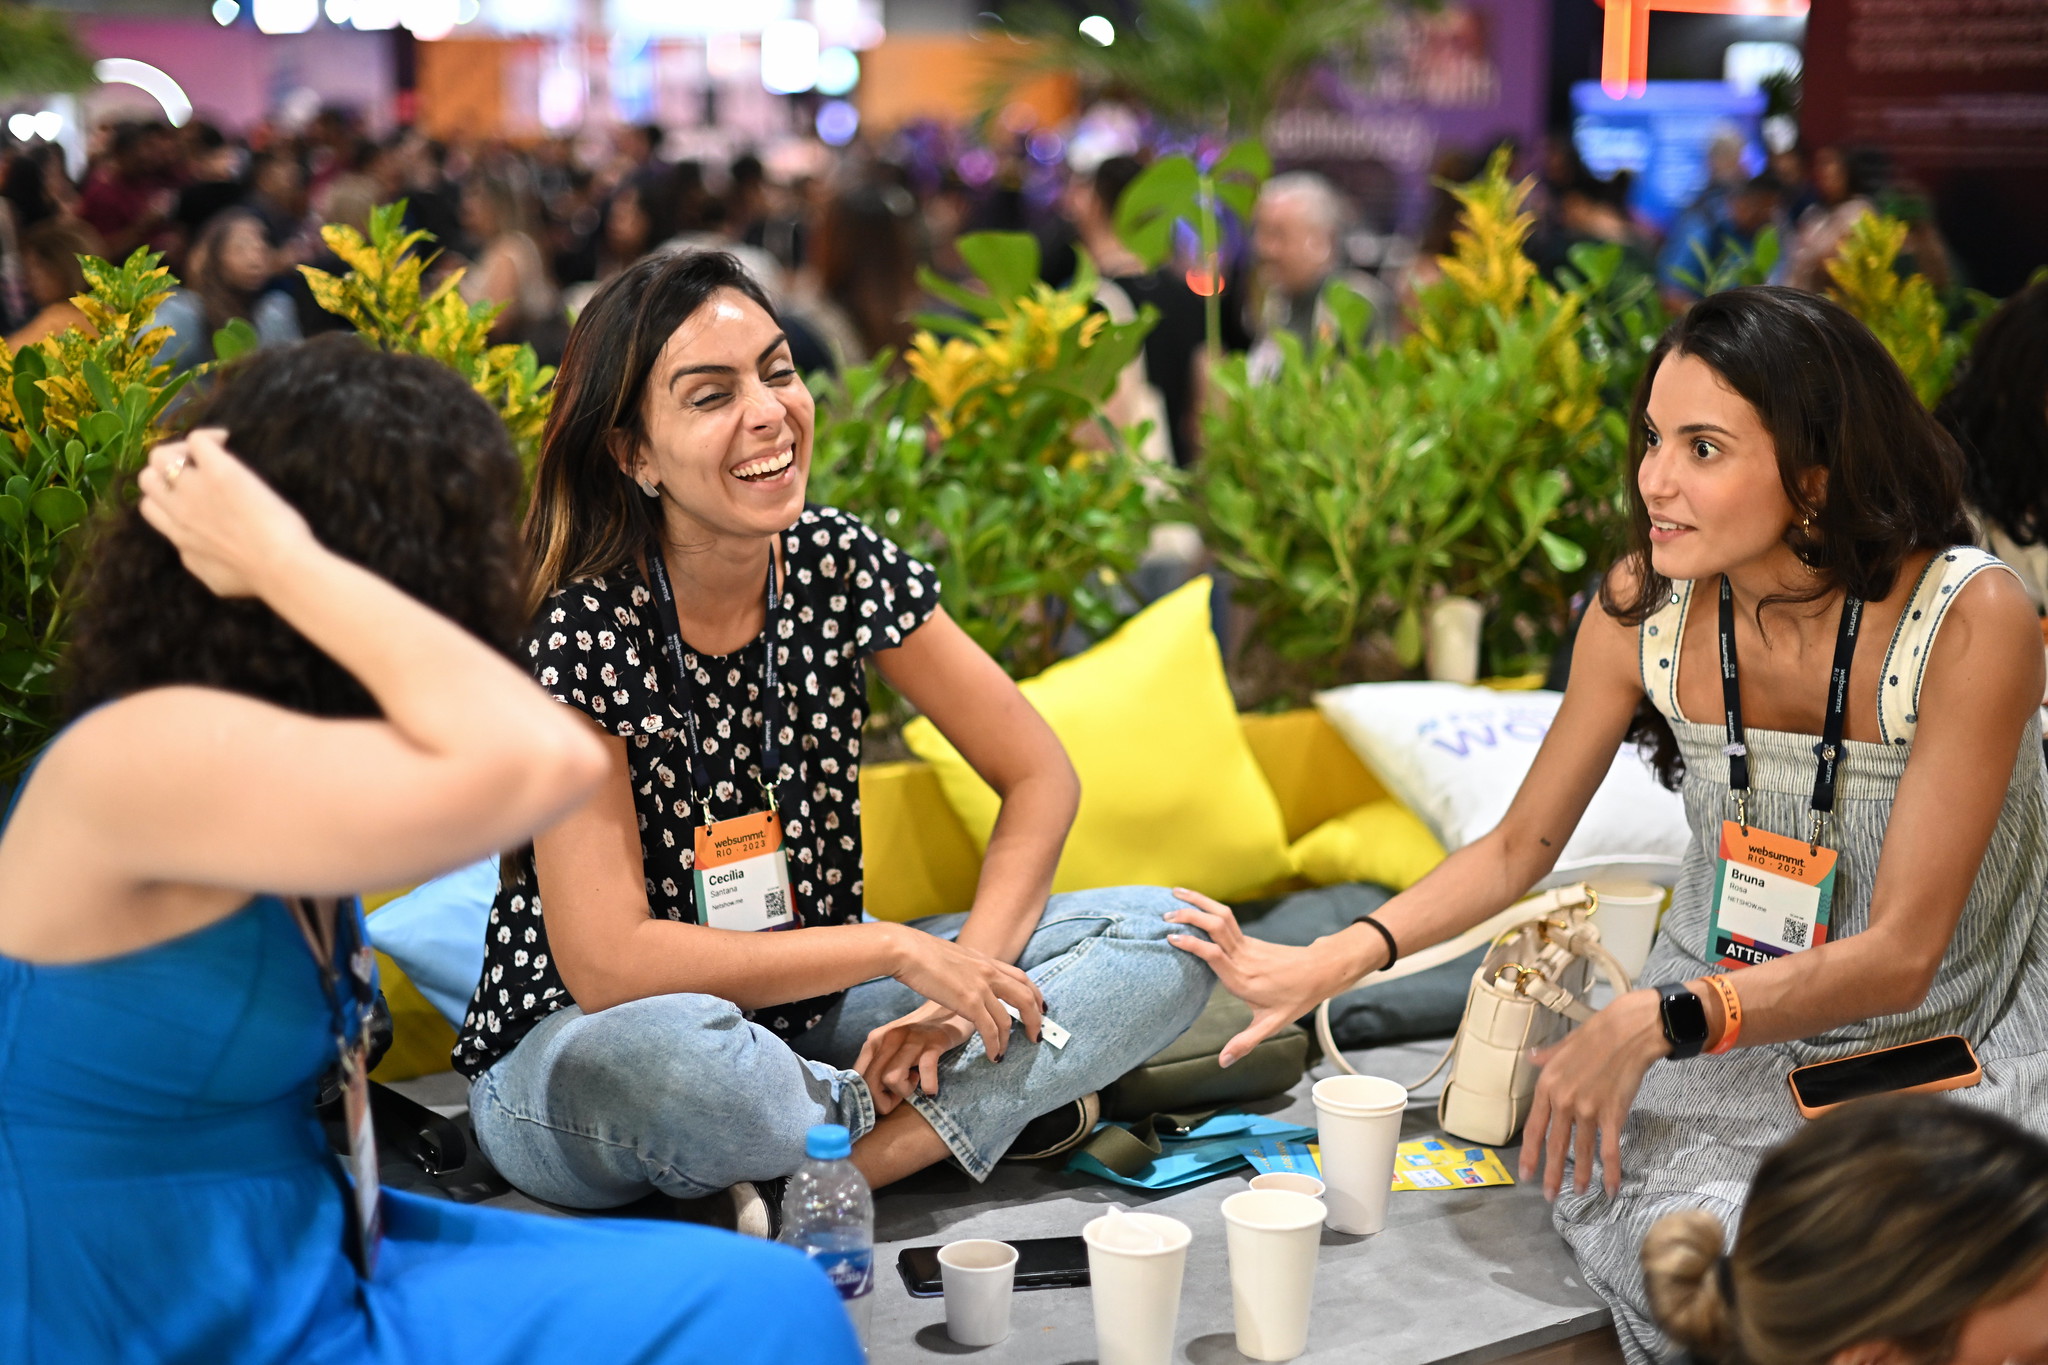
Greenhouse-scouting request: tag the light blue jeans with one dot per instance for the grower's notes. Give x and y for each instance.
(680, 1093)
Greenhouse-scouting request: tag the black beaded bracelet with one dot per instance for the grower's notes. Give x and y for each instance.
(1393, 948)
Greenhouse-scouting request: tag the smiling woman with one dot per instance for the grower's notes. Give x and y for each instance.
(1871, 725)
(683, 966)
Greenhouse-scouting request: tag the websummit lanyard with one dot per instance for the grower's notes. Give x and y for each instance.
(741, 868)
(333, 932)
(1774, 892)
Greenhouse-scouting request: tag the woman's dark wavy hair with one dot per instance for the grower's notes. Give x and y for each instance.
(1833, 400)
(395, 463)
(1998, 413)
(587, 516)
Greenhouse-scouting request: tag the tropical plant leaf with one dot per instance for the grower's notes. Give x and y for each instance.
(1164, 193)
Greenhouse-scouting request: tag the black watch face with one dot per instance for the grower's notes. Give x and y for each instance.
(1685, 1020)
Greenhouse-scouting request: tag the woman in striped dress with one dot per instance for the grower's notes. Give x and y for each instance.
(1799, 515)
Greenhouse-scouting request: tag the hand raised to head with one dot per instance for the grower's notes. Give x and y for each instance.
(228, 526)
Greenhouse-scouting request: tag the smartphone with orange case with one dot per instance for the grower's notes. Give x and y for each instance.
(1944, 1063)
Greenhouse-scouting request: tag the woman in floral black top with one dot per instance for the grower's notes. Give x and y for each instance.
(624, 1037)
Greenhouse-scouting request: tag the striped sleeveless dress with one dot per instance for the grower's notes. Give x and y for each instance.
(1699, 1128)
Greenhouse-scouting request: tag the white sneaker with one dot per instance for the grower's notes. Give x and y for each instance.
(757, 1207)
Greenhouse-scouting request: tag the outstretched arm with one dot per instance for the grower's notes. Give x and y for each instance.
(1471, 885)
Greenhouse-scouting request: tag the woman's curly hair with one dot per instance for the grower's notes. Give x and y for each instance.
(395, 463)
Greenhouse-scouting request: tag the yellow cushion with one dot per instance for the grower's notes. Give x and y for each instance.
(1170, 792)
(1381, 841)
(916, 859)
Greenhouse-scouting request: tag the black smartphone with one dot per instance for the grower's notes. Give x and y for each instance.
(1042, 1263)
(1945, 1063)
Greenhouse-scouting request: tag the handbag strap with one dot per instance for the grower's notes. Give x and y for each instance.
(1127, 1151)
(1582, 941)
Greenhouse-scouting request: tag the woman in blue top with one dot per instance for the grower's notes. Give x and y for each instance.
(280, 716)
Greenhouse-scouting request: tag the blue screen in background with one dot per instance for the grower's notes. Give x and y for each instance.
(1662, 137)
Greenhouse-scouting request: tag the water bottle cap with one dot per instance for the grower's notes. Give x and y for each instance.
(828, 1142)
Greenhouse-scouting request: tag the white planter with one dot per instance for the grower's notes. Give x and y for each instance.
(1451, 650)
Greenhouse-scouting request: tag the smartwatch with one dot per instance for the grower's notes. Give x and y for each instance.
(1685, 1020)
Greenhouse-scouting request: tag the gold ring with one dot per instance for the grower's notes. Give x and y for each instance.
(174, 469)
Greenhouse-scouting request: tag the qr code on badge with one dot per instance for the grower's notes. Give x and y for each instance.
(1795, 932)
(776, 902)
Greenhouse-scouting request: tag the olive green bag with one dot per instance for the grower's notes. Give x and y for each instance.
(1183, 1084)
(1185, 1076)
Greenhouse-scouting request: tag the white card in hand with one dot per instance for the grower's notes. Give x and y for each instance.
(1048, 1031)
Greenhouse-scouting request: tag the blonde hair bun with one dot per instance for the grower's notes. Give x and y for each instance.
(1681, 1256)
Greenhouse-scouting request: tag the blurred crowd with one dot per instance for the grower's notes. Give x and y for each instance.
(837, 238)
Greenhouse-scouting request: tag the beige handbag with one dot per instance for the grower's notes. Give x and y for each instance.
(1528, 992)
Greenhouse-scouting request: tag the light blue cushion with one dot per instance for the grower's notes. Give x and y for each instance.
(435, 932)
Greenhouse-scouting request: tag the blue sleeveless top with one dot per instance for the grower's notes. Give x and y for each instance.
(167, 1197)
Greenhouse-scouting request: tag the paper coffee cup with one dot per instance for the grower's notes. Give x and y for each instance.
(1273, 1236)
(1451, 653)
(1358, 1122)
(1293, 1181)
(1627, 920)
(1135, 1262)
(978, 1275)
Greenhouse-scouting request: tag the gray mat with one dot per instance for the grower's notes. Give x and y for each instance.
(1458, 1277)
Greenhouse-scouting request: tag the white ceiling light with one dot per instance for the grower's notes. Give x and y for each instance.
(225, 12)
(22, 125)
(838, 71)
(1098, 28)
(373, 16)
(337, 12)
(49, 124)
(143, 76)
(285, 16)
(430, 20)
(789, 56)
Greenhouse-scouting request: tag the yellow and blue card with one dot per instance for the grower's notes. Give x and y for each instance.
(1424, 1164)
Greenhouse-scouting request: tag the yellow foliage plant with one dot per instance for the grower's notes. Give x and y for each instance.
(1902, 310)
(78, 411)
(996, 460)
(383, 297)
(1491, 341)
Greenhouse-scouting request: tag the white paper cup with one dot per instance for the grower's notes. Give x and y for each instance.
(1135, 1262)
(1358, 1122)
(979, 1275)
(1452, 649)
(1292, 1181)
(1273, 1236)
(1627, 920)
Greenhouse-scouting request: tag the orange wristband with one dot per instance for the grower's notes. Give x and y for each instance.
(1731, 1013)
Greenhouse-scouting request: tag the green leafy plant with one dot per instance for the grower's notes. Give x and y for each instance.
(39, 55)
(1179, 189)
(992, 459)
(384, 298)
(77, 412)
(1477, 457)
(1735, 267)
(1564, 466)
(1215, 65)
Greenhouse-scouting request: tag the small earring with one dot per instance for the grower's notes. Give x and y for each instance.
(649, 487)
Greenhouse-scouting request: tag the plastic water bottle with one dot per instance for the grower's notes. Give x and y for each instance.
(829, 1215)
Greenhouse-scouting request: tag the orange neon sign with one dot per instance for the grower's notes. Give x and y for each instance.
(1625, 43)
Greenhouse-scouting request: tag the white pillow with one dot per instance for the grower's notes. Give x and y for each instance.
(1456, 755)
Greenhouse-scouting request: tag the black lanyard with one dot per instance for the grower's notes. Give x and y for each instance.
(771, 742)
(1828, 751)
